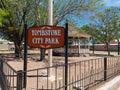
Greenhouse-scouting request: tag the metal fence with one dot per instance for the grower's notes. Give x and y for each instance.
(82, 75)
(9, 77)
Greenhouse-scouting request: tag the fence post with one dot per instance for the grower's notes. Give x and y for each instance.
(1, 64)
(105, 68)
(19, 80)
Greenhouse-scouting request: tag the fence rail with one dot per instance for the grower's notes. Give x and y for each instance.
(81, 75)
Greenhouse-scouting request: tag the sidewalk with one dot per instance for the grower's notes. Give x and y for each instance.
(118, 88)
(113, 84)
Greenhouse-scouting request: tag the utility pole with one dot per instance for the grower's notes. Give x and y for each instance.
(50, 22)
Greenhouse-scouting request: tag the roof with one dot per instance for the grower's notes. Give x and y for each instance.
(74, 32)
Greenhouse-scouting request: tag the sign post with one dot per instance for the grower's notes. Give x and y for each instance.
(66, 55)
(25, 54)
(46, 37)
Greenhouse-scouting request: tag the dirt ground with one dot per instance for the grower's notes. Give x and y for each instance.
(34, 63)
(34, 56)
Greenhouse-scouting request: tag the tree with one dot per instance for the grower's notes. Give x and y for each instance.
(72, 10)
(13, 28)
(35, 13)
(106, 26)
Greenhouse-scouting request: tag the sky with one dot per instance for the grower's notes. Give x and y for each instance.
(112, 3)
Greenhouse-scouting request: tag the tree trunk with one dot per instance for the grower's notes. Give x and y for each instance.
(93, 47)
(108, 48)
(18, 49)
(42, 54)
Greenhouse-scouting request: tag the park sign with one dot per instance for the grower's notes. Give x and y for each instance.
(46, 37)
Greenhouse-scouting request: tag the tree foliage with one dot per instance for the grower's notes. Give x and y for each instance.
(3, 13)
(105, 26)
(73, 10)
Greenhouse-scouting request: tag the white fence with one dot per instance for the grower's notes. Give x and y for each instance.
(72, 51)
(6, 47)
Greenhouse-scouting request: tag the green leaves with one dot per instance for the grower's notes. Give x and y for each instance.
(64, 9)
(105, 25)
(3, 13)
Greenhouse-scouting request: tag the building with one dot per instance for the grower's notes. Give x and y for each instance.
(77, 42)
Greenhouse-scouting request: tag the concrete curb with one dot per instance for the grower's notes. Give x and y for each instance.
(114, 84)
